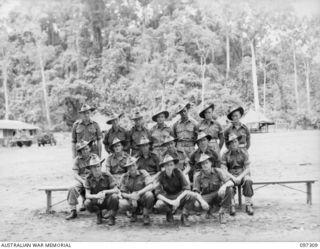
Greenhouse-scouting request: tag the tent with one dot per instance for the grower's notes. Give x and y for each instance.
(256, 120)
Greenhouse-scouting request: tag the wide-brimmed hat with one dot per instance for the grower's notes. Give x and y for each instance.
(165, 112)
(116, 140)
(232, 137)
(204, 157)
(239, 108)
(202, 135)
(201, 114)
(168, 159)
(94, 160)
(130, 161)
(180, 107)
(114, 117)
(86, 107)
(168, 139)
(80, 145)
(143, 141)
(136, 115)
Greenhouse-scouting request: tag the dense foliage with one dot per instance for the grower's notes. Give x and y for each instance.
(127, 55)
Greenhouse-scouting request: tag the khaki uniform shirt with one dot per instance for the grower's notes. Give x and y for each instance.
(242, 130)
(186, 132)
(206, 183)
(80, 165)
(236, 161)
(95, 185)
(150, 164)
(114, 163)
(130, 184)
(159, 134)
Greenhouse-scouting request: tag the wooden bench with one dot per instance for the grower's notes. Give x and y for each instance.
(283, 183)
(48, 190)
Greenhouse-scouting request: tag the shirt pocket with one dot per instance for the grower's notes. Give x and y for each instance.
(79, 129)
(92, 129)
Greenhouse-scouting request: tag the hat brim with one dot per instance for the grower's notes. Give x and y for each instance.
(137, 117)
(209, 158)
(185, 106)
(84, 145)
(166, 114)
(207, 136)
(89, 109)
(122, 142)
(165, 143)
(201, 114)
(175, 160)
(101, 161)
(131, 163)
(238, 138)
(240, 109)
(114, 118)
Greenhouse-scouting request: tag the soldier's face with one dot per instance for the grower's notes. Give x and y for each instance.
(85, 151)
(203, 143)
(168, 167)
(161, 118)
(132, 169)
(183, 113)
(234, 144)
(86, 115)
(96, 170)
(206, 165)
(170, 146)
(115, 122)
(117, 147)
(208, 114)
(145, 148)
(138, 121)
(236, 116)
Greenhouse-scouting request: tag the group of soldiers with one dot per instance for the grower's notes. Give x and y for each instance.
(162, 169)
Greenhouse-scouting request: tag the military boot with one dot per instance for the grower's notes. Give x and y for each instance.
(99, 217)
(222, 218)
(146, 220)
(249, 209)
(169, 217)
(112, 220)
(232, 210)
(185, 221)
(73, 214)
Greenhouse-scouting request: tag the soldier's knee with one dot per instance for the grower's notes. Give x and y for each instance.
(159, 204)
(88, 204)
(114, 197)
(149, 195)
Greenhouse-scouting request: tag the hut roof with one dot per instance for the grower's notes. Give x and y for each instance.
(16, 125)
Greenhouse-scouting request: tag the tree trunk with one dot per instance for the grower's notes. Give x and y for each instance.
(296, 81)
(44, 87)
(254, 76)
(203, 70)
(227, 55)
(264, 88)
(308, 87)
(5, 87)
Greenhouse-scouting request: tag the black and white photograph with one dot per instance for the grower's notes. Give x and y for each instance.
(159, 121)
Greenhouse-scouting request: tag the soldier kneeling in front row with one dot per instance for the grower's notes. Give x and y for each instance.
(101, 192)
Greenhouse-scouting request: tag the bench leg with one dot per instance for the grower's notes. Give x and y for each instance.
(309, 193)
(239, 196)
(48, 192)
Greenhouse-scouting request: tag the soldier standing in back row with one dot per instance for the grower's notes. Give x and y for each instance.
(185, 130)
(159, 132)
(137, 132)
(116, 131)
(88, 130)
(238, 128)
(212, 128)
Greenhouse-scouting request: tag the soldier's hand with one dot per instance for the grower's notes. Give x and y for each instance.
(101, 195)
(237, 180)
(222, 191)
(135, 196)
(175, 204)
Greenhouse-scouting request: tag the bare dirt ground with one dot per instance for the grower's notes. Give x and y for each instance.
(281, 214)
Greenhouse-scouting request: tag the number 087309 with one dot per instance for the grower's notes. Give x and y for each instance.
(308, 244)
